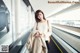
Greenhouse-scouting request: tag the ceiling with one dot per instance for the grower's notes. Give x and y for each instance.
(49, 8)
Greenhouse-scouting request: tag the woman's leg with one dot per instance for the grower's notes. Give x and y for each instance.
(47, 45)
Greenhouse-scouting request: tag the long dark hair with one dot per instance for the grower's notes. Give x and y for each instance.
(36, 16)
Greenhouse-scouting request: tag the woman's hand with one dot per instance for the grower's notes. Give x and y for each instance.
(37, 34)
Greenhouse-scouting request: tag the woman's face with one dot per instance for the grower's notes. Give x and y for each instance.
(40, 16)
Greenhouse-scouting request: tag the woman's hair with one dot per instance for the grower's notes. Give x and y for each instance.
(36, 15)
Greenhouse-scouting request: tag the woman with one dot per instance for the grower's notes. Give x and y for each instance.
(42, 28)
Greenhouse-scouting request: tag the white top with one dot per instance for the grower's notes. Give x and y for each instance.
(43, 29)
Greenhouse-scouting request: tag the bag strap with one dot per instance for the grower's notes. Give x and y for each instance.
(48, 25)
(37, 26)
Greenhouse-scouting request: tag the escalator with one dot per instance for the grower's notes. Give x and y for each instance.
(55, 47)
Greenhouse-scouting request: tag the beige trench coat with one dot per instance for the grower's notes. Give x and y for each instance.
(36, 45)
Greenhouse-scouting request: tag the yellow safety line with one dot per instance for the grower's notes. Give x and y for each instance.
(57, 45)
